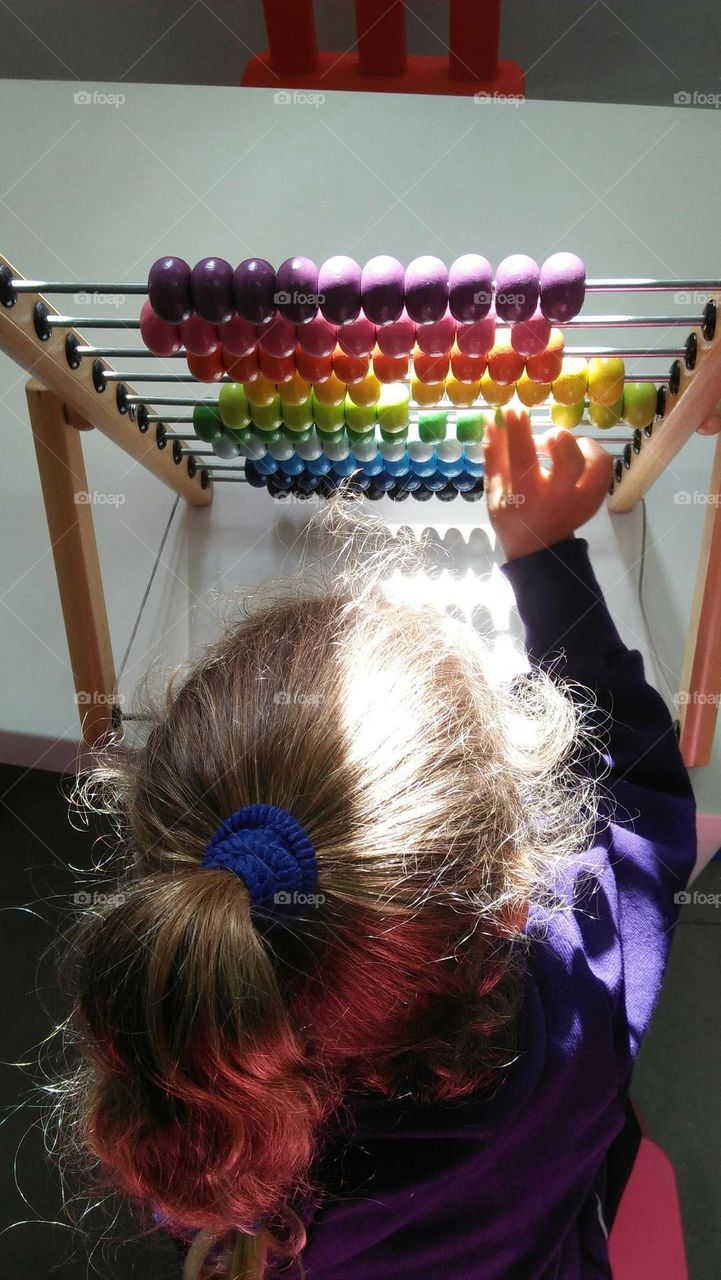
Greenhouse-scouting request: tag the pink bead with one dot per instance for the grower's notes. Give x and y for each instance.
(530, 337)
(477, 339)
(199, 337)
(238, 336)
(398, 338)
(278, 336)
(438, 338)
(160, 337)
(318, 337)
(357, 338)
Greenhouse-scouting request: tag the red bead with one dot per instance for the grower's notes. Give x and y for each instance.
(357, 338)
(389, 368)
(430, 368)
(238, 336)
(349, 368)
(313, 368)
(207, 368)
(467, 368)
(504, 364)
(199, 337)
(397, 339)
(318, 337)
(160, 337)
(276, 368)
(241, 368)
(278, 336)
(437, 339)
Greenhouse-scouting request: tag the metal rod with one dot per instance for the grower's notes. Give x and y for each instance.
(580, 322)
(212, 404)
(90, 322)
(161, 417)
(592, 286)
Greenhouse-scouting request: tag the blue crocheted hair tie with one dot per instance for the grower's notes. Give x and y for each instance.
(269, 849)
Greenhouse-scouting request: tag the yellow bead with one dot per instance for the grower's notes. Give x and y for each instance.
(332, 391)
(570, 385)
(260, 391)
(606, 376)
(296, 390)
(462, 393)
(531, 393)
(426, 393)
(567, 415)
(367, 391)
(494, 393)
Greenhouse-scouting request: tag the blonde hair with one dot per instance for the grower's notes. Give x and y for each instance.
(213, 1056)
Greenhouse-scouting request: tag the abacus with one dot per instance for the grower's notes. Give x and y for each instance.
(373, 379)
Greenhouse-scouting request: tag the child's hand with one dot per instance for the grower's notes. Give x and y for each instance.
(531, 508)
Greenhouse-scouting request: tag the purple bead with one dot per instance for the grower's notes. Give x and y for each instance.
(563, 287)
(169, 289)
(382, 289)
(470, 288)
(517, 286)
(254, 290)
(339, 290)
(296, 289)
(211, 290)
(426, 290)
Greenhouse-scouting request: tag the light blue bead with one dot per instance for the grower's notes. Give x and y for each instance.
(450, 469)
(292, 466)
(266, 466)
(399, 468)
(345, 466)
(374, 467)
(318, 466)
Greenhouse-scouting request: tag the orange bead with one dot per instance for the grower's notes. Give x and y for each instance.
(504, 364)
(241, 368)
(278, 369)
(367, 391)
(430, 368)
(207, 368)
(350, 368)
(496, 392)
(330, 391)
(546, 366)
(462, 393)
(467, 368)
(313, 368)
(389, 368)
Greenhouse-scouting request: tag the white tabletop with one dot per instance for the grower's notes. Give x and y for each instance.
(97, 190)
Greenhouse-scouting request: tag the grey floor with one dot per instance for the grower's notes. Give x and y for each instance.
(676, 1085)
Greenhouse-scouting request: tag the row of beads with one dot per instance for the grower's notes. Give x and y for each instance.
(340, 289)
(314, 344)
(381, 485)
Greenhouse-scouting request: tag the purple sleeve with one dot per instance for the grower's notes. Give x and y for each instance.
(650, 839)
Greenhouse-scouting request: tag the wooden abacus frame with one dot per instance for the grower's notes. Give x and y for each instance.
(64, 401)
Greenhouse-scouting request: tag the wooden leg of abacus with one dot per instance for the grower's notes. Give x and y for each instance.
(700, 692)
(58, 446)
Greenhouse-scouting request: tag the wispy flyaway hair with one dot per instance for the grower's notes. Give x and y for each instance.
(212, 1049)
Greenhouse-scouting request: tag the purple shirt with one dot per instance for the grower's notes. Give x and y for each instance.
(512, 1187)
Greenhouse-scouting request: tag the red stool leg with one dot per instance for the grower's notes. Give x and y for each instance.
(291, 34)
(474, 37)
(381, 27)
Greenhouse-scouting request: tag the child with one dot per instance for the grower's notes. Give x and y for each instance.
(386, 947)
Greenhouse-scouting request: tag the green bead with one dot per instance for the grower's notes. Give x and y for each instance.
(332, 437)
(297, 417)
(206, 423)
(268, 437)
(359, 437)
(327, 417)
(639, 403)
(233, 405)
(393, 407)
(401, 434)
(297, 437)
(432, 425)
(359, 417)
(605, 416)
(567, 415)
(243, 435)
(267, 416)
(470, 426)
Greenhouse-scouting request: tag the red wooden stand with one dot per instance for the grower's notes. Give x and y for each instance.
(381, 64)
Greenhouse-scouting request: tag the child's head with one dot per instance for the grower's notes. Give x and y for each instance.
(215, 1047)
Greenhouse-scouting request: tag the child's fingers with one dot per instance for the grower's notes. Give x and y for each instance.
(495, 451)
(598, 472)
(522, 456)
(568, 462)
